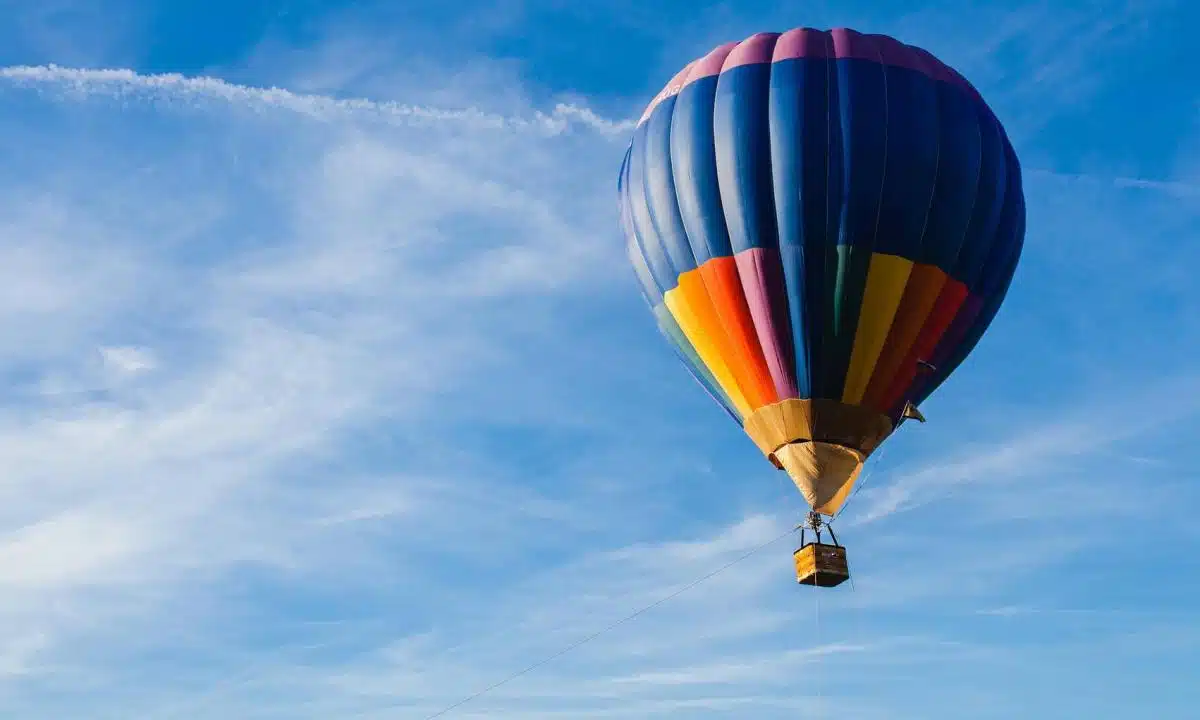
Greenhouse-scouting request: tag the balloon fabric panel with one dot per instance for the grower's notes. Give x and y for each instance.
(820, 213)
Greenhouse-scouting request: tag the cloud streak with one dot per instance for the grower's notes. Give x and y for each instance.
(1072, 438)
(168, 89)
(1181, 190)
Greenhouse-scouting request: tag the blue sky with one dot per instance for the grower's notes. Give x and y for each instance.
(328, 394)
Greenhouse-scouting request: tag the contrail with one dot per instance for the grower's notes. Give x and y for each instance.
(1169, 187)
(1174, 188)
(173, 88)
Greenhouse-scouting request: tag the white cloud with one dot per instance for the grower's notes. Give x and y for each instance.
(376, 251)
(71, 549)
(128, 360)
(1179, 189)
(1043, 450)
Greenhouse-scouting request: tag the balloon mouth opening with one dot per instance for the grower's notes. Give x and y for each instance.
(823, 472)
(774, 456)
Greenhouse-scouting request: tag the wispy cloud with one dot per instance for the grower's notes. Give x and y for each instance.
(1040, 450)
(363, 287)
(167, 89)
(1182, 190)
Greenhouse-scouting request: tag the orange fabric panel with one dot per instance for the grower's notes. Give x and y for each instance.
(724, 285)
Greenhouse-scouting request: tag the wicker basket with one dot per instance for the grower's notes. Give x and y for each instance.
(821, 565)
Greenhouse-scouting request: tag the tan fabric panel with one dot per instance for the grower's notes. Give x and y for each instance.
(794, 420)
(824, 472)
(776, 425)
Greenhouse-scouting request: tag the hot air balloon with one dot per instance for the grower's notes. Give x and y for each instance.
(824, 223)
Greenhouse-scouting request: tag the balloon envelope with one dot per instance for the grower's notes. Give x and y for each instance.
(824, 225)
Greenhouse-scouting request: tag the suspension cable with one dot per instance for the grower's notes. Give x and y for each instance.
(604, 630)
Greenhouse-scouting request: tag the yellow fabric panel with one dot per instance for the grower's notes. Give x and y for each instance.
(886, 279)
(924, 285)
(706, 346)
